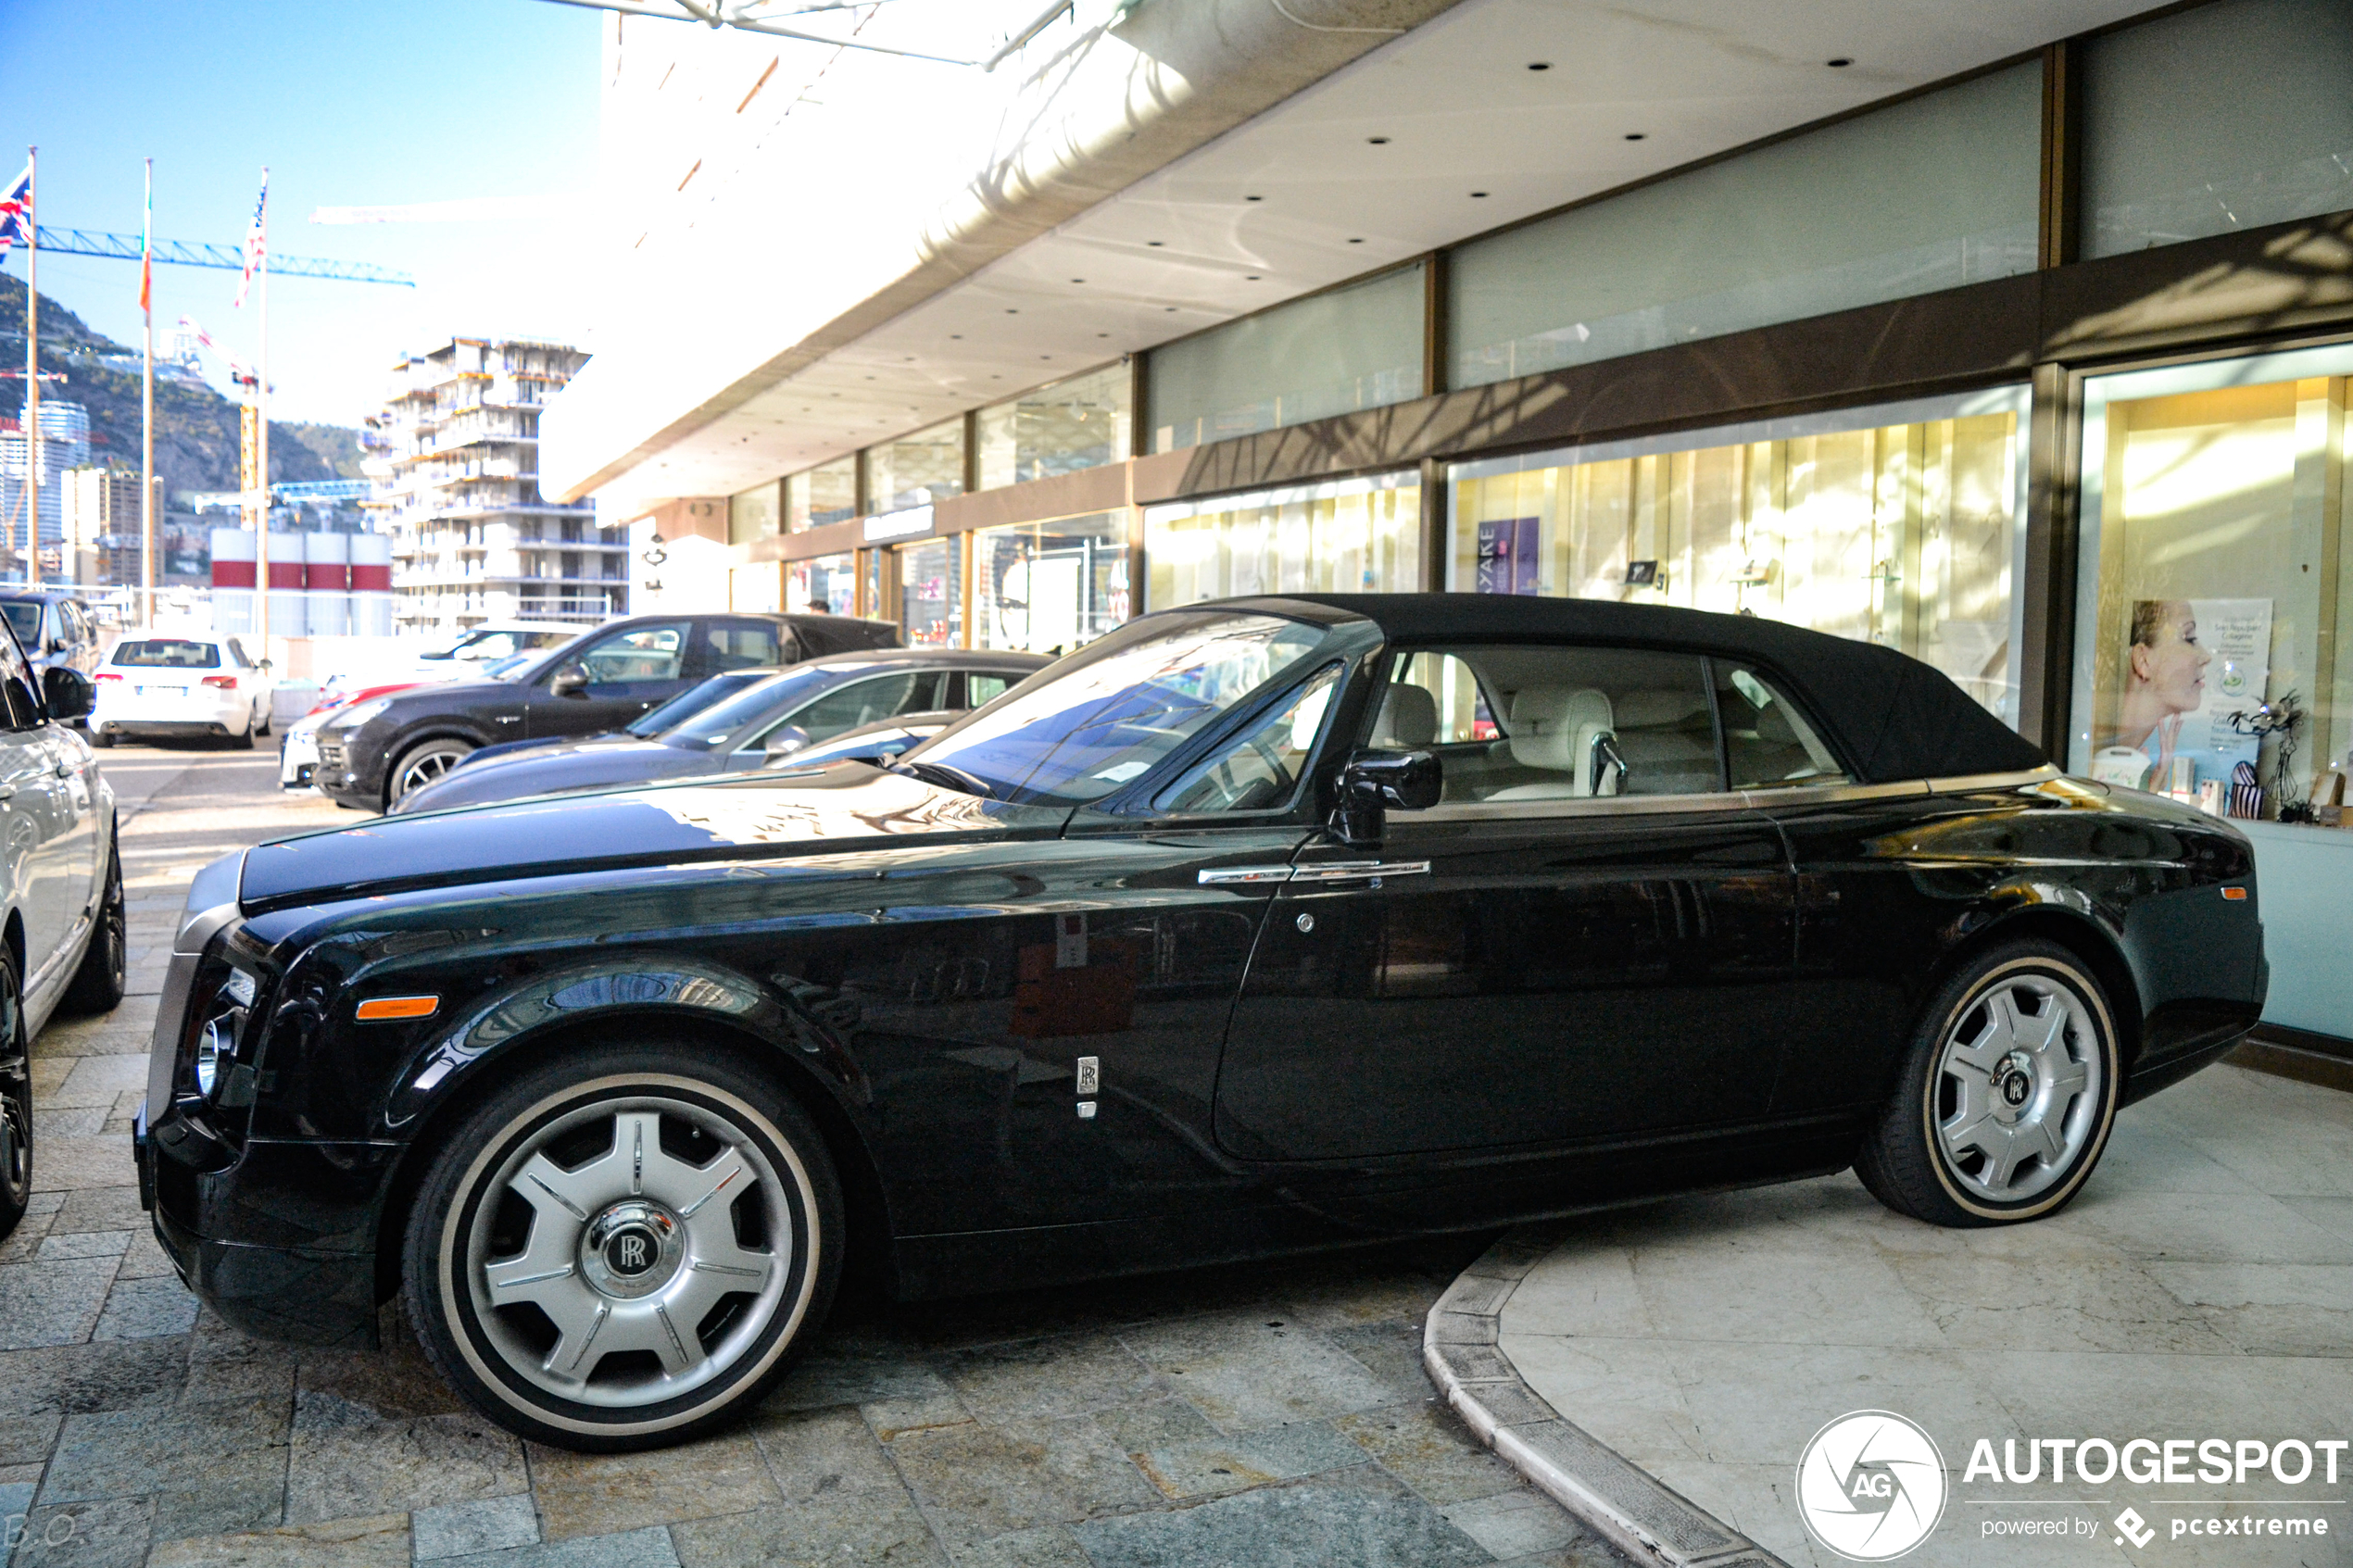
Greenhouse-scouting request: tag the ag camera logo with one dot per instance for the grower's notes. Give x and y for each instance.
(1871, 1486)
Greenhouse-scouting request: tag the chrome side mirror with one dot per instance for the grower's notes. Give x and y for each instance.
(571, 681)
(1374, 783)
(784, 740)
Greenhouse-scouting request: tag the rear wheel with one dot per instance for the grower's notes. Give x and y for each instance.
(624, 1248)
(98, 985)
(2007, 1095)
(426, 761)
(15, 1102)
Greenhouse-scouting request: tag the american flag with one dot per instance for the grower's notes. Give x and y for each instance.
(16, 211)
(256, 241)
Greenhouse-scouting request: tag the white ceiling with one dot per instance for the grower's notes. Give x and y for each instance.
(1184, 248)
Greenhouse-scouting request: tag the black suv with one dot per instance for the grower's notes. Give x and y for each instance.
(374, 752)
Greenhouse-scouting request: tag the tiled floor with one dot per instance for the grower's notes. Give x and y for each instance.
(1264, 1416)
(2201, 1286)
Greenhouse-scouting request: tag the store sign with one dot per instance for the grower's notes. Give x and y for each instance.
(911, 524)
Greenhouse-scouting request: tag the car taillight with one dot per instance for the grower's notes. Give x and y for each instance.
(104, 677)
(222, 683)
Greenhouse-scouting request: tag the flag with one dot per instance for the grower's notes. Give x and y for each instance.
(256, 241)
(147, 247)
(16, 211)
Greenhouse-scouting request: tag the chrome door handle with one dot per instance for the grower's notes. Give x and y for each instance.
(7, 792)
(1375, 872)
(1243, 876)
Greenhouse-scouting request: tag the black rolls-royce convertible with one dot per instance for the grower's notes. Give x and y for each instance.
(1255, 926)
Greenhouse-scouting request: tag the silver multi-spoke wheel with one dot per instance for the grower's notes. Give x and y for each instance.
(652, 1262)
(621, 1247)
(428, 763)
(2019, 1087)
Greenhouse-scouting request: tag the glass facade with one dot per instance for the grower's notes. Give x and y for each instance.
(2227, 116)
(831, 493)
(1929, 194)
(755, 587)
(1080, 424)
(755, 514)
(1900, 525)
(917, 470)
(931, 593)
(1043, 585)
(822, 583)
(1354, 347)
(1354, 536)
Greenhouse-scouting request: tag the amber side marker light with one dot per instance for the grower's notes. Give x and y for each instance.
(2235, 895)
(382, 1010)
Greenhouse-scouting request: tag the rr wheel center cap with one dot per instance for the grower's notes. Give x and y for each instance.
(632, 1248)
(2014, 1085)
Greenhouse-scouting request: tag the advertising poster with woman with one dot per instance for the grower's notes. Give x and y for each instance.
(2188, 665)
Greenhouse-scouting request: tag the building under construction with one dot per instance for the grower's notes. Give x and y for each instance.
(455, 460)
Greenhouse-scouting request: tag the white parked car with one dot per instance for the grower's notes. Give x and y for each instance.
(467, 659)
(191, 686)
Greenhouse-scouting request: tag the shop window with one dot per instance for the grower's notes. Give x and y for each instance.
(1039, 586)
(824, 583)
(1354, 347)
(1898, 525)
(1078, 424)
(755, 514)
(917, 470)
(2210, 647)
(2227, 116)
(931, 593)
(830, 492)
(1928, 193)
(1356, 537)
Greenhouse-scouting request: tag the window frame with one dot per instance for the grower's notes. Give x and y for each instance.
(1248, 723)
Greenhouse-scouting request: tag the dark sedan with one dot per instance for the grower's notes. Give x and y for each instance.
(761, 721)
(372, 753)
(1253, 927)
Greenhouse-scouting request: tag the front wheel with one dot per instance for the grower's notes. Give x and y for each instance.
(2007, 1094)
(98, 985)
(426, 761)
(624, 1248)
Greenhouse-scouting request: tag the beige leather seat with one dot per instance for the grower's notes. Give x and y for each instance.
(1668, 741)
(1408, 720)
(1554, 728)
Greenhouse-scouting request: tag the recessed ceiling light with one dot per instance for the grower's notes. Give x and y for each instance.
(1253, 198)
(1539, 65)
(1636, 135)
(1356, 242)
(956, 337)
(1476, 194)
(1103, 335)
(1839, 64)
(1172, 310)
(1078, 279)
(1011, 311)
(1378, 141)
(1154, 244)
(1253, 277)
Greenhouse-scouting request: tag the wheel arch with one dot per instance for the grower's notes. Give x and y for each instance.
(866, 1209)
(397, 751)
(2079, 931)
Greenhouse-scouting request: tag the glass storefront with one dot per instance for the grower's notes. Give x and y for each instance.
(918, 469)
(1038, 586)
(755, 587)
(822, 583)
(1353, 536)
(826, 493)
(754, 514)
(1902, 525)
(1078, 424)
(931, 593)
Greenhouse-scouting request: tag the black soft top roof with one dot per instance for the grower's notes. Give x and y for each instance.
(819, 635)
(1890, 716)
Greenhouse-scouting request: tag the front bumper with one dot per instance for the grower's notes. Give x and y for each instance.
(335, 775)
(298, 758)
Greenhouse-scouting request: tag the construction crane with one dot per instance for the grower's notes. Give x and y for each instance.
(184, 253)
(772, 16)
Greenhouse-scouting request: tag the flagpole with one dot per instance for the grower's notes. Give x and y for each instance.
(261, 396)
(147, 406)
(31, 371)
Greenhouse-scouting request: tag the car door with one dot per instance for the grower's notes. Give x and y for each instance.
(626, 671)
(36, 817)
(1588, 938)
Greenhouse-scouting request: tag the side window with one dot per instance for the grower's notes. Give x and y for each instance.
(738, 645)
(981, 689)
(1524, 722)
(17, 689)
(1260, 769)
(642, 652)
(1767, 743)
(860, 702)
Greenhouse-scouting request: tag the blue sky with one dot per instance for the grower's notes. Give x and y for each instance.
(348, 102)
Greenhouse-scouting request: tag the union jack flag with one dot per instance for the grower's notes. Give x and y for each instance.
(256, 241)
(16, 211)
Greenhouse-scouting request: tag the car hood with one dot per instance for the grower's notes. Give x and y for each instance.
(567, 765)
(849, 805)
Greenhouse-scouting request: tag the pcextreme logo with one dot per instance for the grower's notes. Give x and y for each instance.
(1871, 1486)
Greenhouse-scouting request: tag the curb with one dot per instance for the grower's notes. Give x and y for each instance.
(1641, 1514)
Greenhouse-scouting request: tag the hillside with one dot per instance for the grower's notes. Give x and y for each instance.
(196, 427)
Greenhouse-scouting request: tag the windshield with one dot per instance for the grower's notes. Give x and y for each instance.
(506, 667)
(694, 699)
(165, 653)
(24, 620)
(1104, 720)
(766, 694)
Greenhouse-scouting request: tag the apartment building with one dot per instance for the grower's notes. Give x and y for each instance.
(103, 524)
(455, 460)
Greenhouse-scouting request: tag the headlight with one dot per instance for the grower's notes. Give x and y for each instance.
(216, 1040)
(352, 718)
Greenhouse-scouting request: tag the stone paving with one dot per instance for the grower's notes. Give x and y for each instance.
(2201, 1286)
(1260, 1416)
